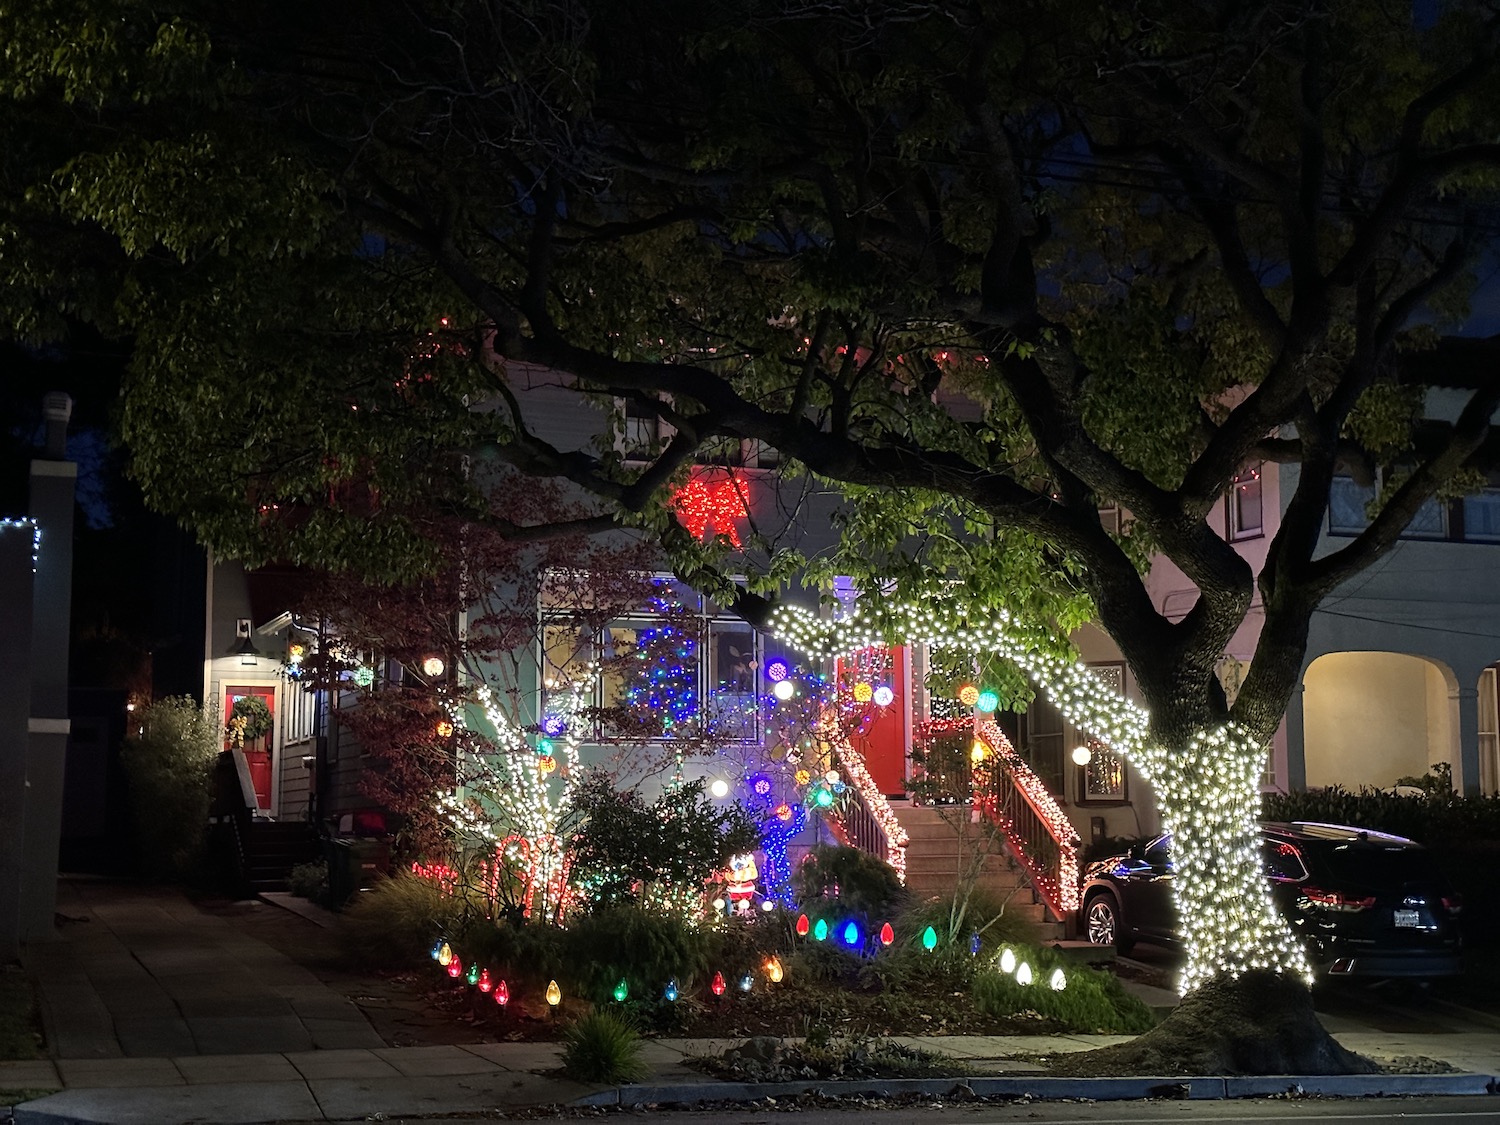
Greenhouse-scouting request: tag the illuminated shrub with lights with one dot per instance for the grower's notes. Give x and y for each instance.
(837, 880)
(1086, 1001)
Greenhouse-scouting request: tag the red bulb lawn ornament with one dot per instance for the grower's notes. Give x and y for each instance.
(484, 982)
(803, 925)
(455, 968)
(887, 935)
(502, 993)
(718, 984)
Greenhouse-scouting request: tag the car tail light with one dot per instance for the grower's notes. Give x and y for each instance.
(1334, 900)
(1453, 903)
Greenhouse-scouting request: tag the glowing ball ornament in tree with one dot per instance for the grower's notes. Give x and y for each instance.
(883, 696)
(968, 695)
(987, 701)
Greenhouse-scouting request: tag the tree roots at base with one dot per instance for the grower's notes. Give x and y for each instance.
(1259, 1023)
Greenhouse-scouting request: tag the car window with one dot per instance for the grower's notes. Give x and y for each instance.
(1383, 868)
(1282, 861)
(1159, 854)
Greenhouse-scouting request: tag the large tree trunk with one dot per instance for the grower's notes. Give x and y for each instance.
(1246, 1008)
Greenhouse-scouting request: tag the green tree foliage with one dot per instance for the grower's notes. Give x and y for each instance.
(169, 762)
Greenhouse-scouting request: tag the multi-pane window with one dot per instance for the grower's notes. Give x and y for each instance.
(1102, 778)
(1482, 516)
(676, 667)
(1348, 503)
(1245, 518)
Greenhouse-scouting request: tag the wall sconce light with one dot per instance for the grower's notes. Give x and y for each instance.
(243, 646)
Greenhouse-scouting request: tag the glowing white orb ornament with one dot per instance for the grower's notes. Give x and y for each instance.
(884, 696)
(719, 788)
(1082, 755)
(784, 690)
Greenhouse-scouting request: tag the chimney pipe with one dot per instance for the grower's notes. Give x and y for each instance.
(57, 408)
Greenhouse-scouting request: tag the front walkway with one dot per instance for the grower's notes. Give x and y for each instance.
(139, 972)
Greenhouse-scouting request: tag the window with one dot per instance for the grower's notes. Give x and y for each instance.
(299, 710)
(1482, 516)
(675, 668)
(1282, 861)
(1245, 519)
(1348, 501)
(1042, 734)
(1102, 779)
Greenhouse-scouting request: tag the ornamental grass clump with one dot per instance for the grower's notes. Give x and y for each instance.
(1090, 1001)
(603, 1047)
(394, 923)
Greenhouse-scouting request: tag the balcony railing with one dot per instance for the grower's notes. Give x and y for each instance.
(1037, 831)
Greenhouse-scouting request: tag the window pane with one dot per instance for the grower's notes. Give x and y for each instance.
(732, 680)
(1245, 504)
(1104, 776)
(1346, 505)
(1482, 516)
(1428, 522)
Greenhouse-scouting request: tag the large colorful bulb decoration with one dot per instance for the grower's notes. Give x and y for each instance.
(554, 994)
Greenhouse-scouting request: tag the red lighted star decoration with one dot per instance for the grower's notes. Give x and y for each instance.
(712, 505)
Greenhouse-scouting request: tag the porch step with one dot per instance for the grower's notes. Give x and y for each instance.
(940, 842)
(273, 848)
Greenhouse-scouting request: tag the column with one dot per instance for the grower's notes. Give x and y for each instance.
(1467, 780)
(1296, 754)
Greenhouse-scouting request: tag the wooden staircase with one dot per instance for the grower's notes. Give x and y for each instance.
(273, 847)
(940, 839)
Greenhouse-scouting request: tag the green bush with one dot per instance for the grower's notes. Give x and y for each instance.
(645, 947)
(859, 882)
(310, 881)
(1092, 1002)
(168, 765)
(603, 1047)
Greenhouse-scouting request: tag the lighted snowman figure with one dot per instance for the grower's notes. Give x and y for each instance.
(739, 889)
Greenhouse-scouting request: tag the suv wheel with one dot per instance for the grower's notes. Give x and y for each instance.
(1102, 923)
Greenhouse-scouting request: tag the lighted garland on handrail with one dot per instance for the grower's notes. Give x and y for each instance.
(1061, 889)
(835, 741)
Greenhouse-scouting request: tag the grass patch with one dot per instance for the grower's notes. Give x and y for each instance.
(20, 1021)
(828, 1056)
(603, 1047)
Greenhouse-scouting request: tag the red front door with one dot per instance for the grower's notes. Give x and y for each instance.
(880, 729)
(257, 750)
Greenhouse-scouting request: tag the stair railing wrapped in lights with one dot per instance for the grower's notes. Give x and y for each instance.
(863, 819)
(1038, 832)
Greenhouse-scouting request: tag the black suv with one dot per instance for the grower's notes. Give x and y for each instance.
(1365, 903)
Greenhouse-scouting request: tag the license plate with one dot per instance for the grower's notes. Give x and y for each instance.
(1409, 918)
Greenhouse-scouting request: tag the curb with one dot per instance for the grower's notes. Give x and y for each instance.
(1040, 1088)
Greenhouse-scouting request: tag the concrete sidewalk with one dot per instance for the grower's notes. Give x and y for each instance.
(159, 1013)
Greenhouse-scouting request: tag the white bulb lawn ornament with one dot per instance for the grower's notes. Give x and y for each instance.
(1059, 980)
(1023, 973)
(1007, 961)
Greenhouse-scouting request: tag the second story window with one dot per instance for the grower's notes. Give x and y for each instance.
(1245, 516)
